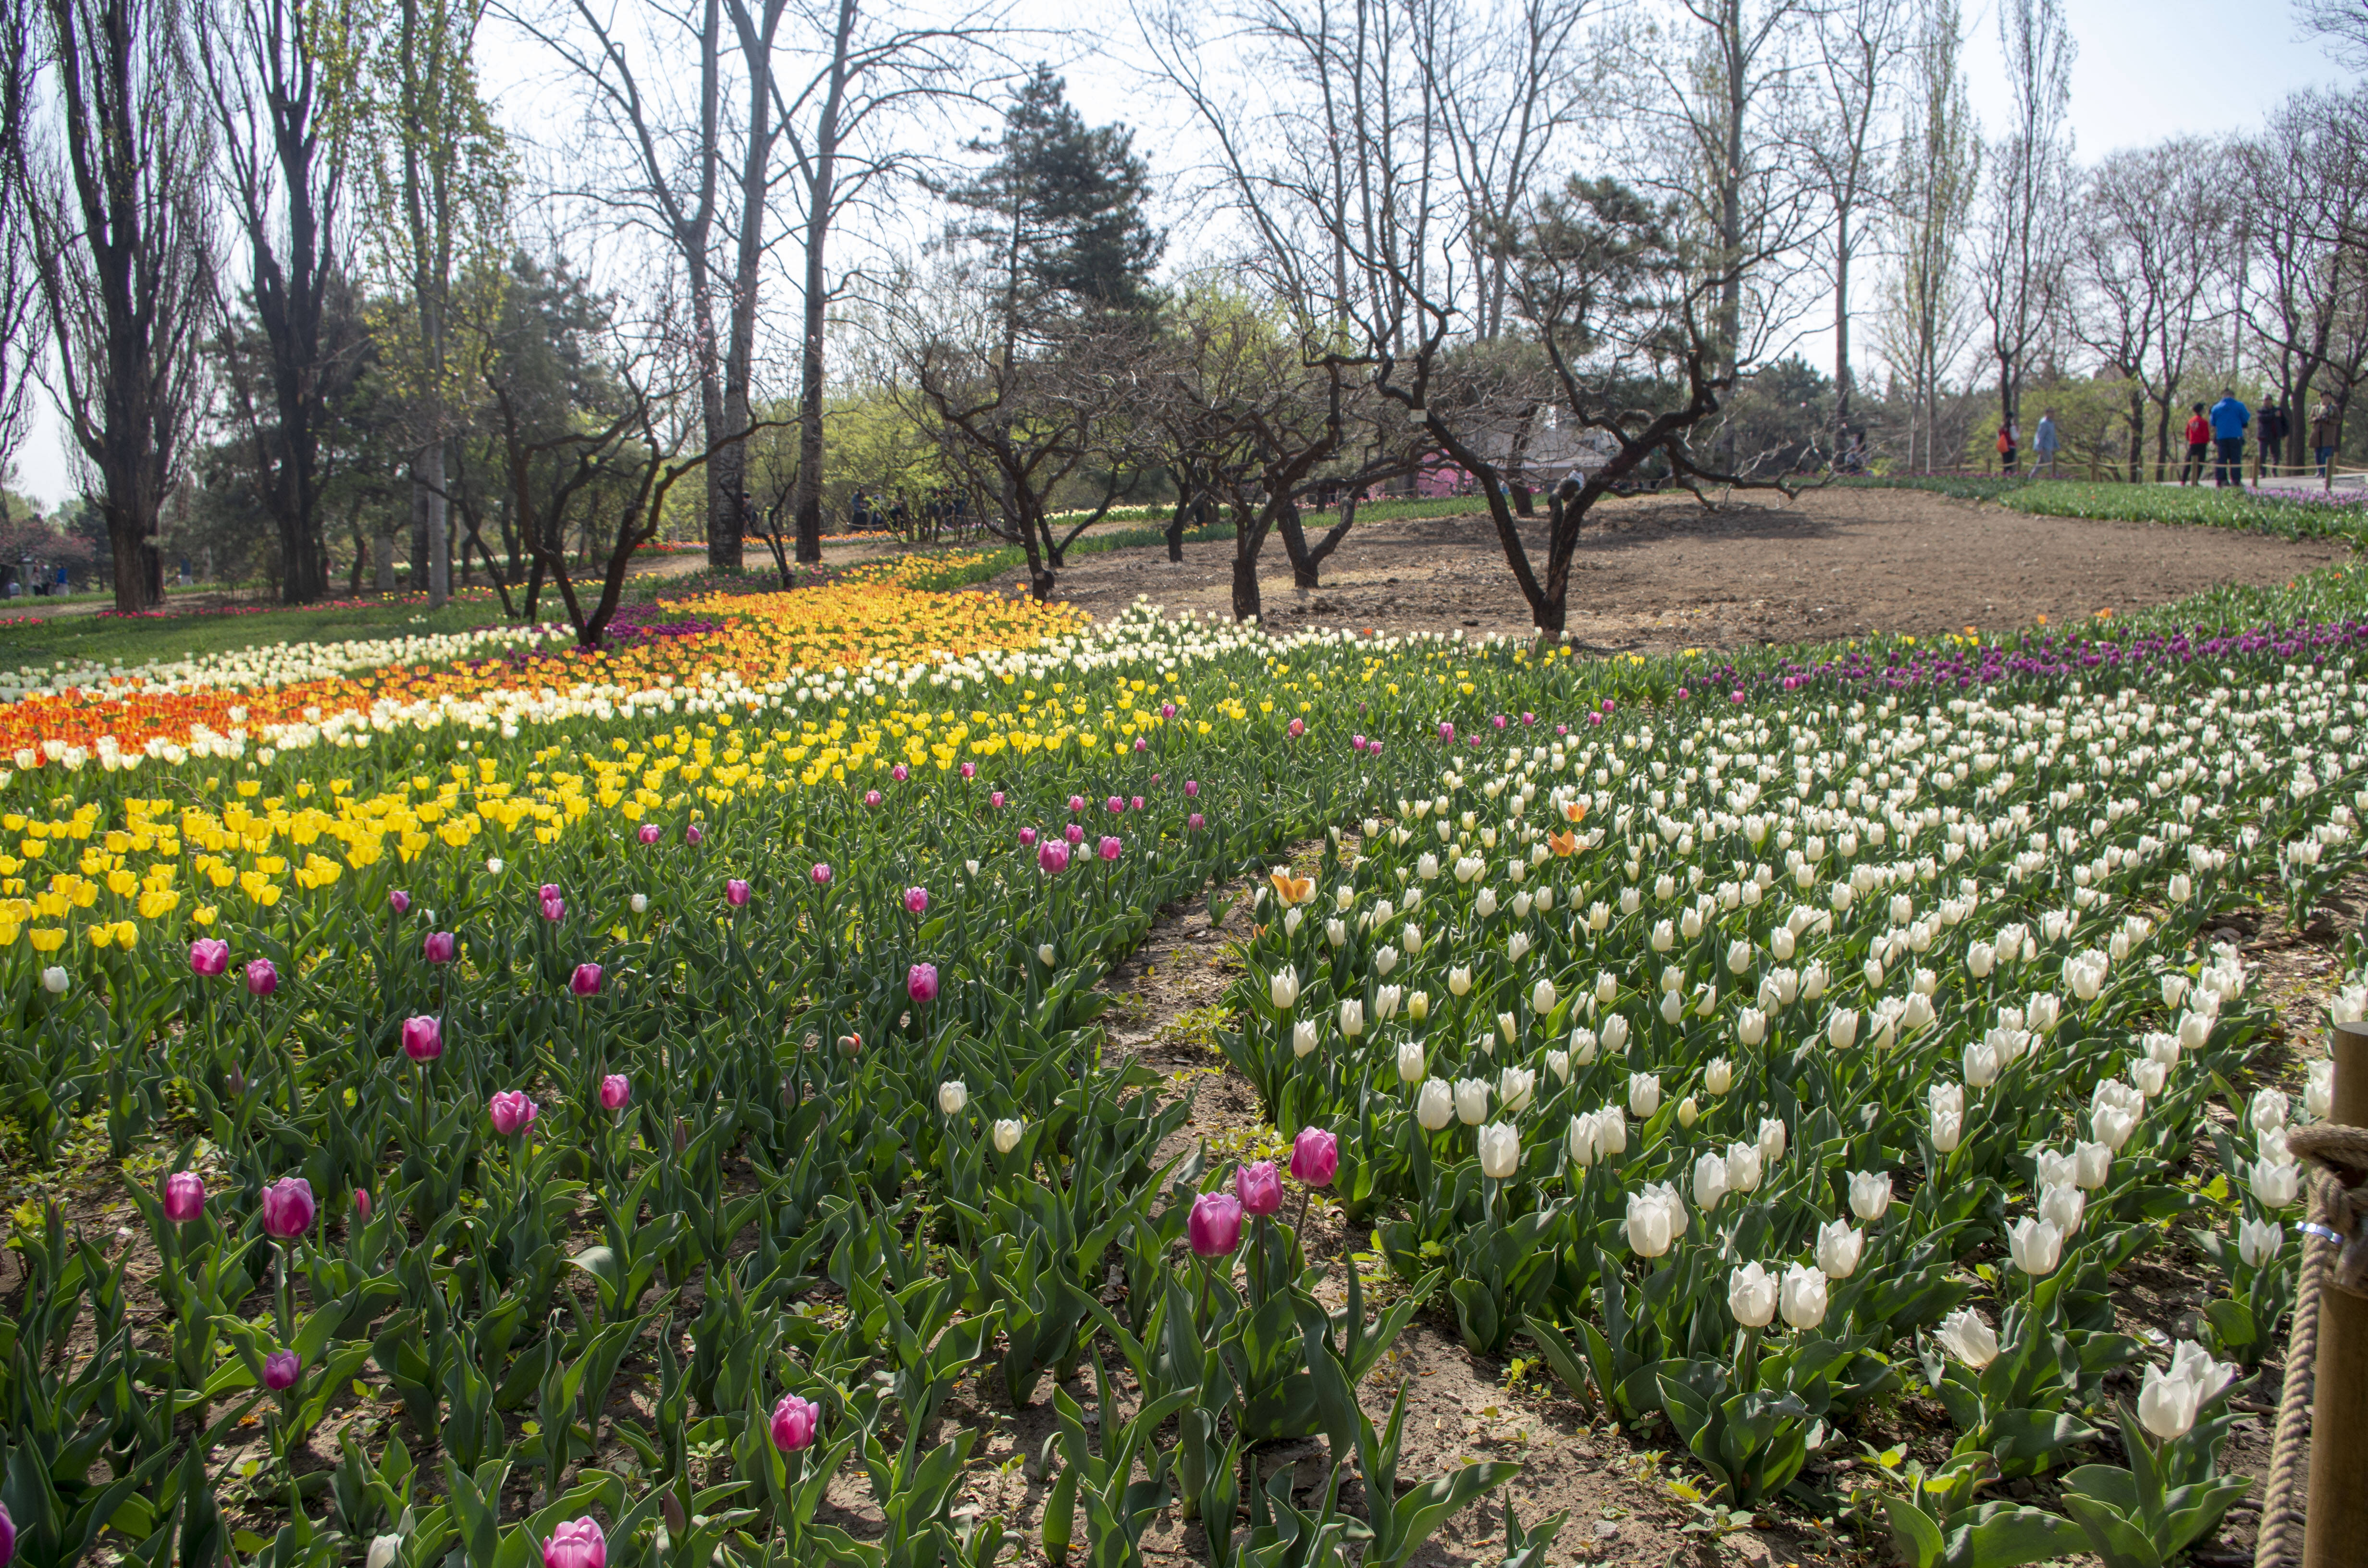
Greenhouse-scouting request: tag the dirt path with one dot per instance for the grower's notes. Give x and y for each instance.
(1658, 575)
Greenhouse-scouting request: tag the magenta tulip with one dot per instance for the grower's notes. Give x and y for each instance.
(921, 982)
(1298, 727)
(735, 894)
(185, 1197)
(1142, 745)
(1258, 1188)
(548, 890)
(1074, 832)
(440, 947)
(871, 797)
(1446, 732)
(423, 1039)
(1138, 802)
(694, 835)
(968, 771)
(1167, 709)
(209, 956)
(280, 1369)
(1027, 837)
(576, 1544)
(585, 981)
(1053, 858)
(1191, 788)
(996, 799)
(821, 874)
(1314, 1156)
(7, 1537)
(399, 901)
(362, 1204)
(554, 909)
(615, 1090)
(1110, 847)
(898, 773)
(1214, 1226)
(1196, 821)
(648, 833)
(916, 900)
(512, 1112)
(1114, 805)
(794, 1422)
(1076, 803)
(288, 1209)
(262, 978)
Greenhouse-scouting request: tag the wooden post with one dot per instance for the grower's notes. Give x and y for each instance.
(2336, 1535)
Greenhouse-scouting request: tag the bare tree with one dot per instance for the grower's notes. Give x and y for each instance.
(2307, 298)
(263, 63)
(1859, 45)
(2154, 245)
(1928, 323)
(2027, 229)
(114, 187)
(23, 327)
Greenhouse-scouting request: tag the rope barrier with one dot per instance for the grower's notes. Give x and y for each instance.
(2335, 1251)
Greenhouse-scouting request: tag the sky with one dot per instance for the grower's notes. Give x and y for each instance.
(2147, 70)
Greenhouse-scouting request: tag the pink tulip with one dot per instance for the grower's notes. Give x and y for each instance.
(1446, 732)
(1076, 803)
(209, 956)
(1196, 821)
(898, 773)
(554, 909)
(1373, 747)
(1167, 709)
(423, 1039)
(794, 1422)
(1499, 721)
(694, 835)
(1356, 743)
(1528, 719)
(1114, 805)
(362, 1204)
(585, 981)
(280, 1369)
(262, 979)
(1314, 1156)
(576, 1544)
(1053, 858)
(1258, 1188)
(1298, 727)
(440, 947)
(615, 1090)
(916, 900)
(185, 1197)
(7, 1537)
(968, 771)
(1138, 803)
(548, 890)
(821, 874)
(1142, 745)
(871, 797)
(288, 1209)
(921, 982)
(735, 894)
(399, 901)
(996, 799)
(1110, 847)
(647, 833)
(1214, 1226)
(512, 1112)
(1074, 832)
(1028, 837)
(1191, 788)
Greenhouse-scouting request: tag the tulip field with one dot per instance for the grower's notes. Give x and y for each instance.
(612, 1107)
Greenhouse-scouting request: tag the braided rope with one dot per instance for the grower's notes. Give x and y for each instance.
(2336, 1208)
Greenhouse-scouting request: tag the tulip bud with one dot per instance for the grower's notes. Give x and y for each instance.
(954, 1095)
(1410, 1061)
(1007, 1134)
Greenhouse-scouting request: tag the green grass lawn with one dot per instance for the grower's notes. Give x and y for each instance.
(2199, 505)
(74, 638)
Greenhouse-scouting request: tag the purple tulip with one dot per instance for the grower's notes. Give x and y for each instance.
(262, 978)
(821, 874)
(921, 982)
(280, 1369)
(735, 894)
(916, 900)
(548, 890)
(585, 981)
(1110, 847)
(399, 901)
(423, 1039)
(694, 836)
(440, 947)
(512, 1112)
(648, 833)
(1167, 709)
(1446, 732)
(209, 956)
(185, 1197)
(7, 1537)
(1214, 1226)
(794, 1421)
(1314, 1156)
(288, 1209)
(1053, 857)
(1258, 1188)
(576, 1544)
(615, 1090)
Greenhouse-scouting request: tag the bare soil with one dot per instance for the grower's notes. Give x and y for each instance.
(1656, 574)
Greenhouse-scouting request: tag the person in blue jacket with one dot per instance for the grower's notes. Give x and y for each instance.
(2230, 419)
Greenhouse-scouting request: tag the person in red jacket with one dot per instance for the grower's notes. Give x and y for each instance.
(2198, 443)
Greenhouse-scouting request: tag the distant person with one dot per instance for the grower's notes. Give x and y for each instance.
(2322, 435)
(2045, 444)
(2230, 419)
(859, 512)
(2199, 441)
(2270, 438)
(2006, 449)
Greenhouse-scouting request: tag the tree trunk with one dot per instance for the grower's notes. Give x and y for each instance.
(1245, 582)
(822, 194)
(439, 532)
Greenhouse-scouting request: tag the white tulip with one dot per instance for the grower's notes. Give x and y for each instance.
(1386, 1002)
(1559, 1063)
(953, 1096)
(2062, 1207)
(1582, 1139)
(1751, 1026)
(1291, 919)
(1411, 935)
(1385, 958)
(1656, 1216)
(2149, 1076)
(1842, 1029)
(1738, 958)
(1352, 1016)
(1803, 1297)
(1839, 1246)
(1615, 1033)
(1607, 988)
(1948, 1130)
(1516, 1086)
(1610, 1131)
(1743, 1163)
(1541, 997)
(1501, 1151)
(1782, 942)
(1044, 954)
(2194, 1030)
(1517, 946)
(1410, 1061)
(1582, 1047)
(1689, 1112)
(2113, 1126)
(2270, 1108)
(1426, 868)
(2165, 1404)
(1751, 1295)
(1772, 1138)
(1813, 982)
(1507, 1026)
(1981, 1065)
(1459, 980)
(2037, 1246)
(1282, 989)
(2276, 1185)
(1979, 959)
(2091, 1161)
(1963, 1334)
(1302, 1038)
(2052, 1169)
(1006, 1135)
(1665, 937)
(1710, 1181)
(1870, 1194)
(2257, 1242)
(1337, 933)
(1719, 1076)
(1644, 1094)
(1471, 1101)
(1418, 1007)
(54, 981)
(2318, 1098)
(1434, 1105)
(641, 904)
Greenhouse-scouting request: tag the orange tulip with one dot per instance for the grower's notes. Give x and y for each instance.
(1292, 889)
(1564, 845)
